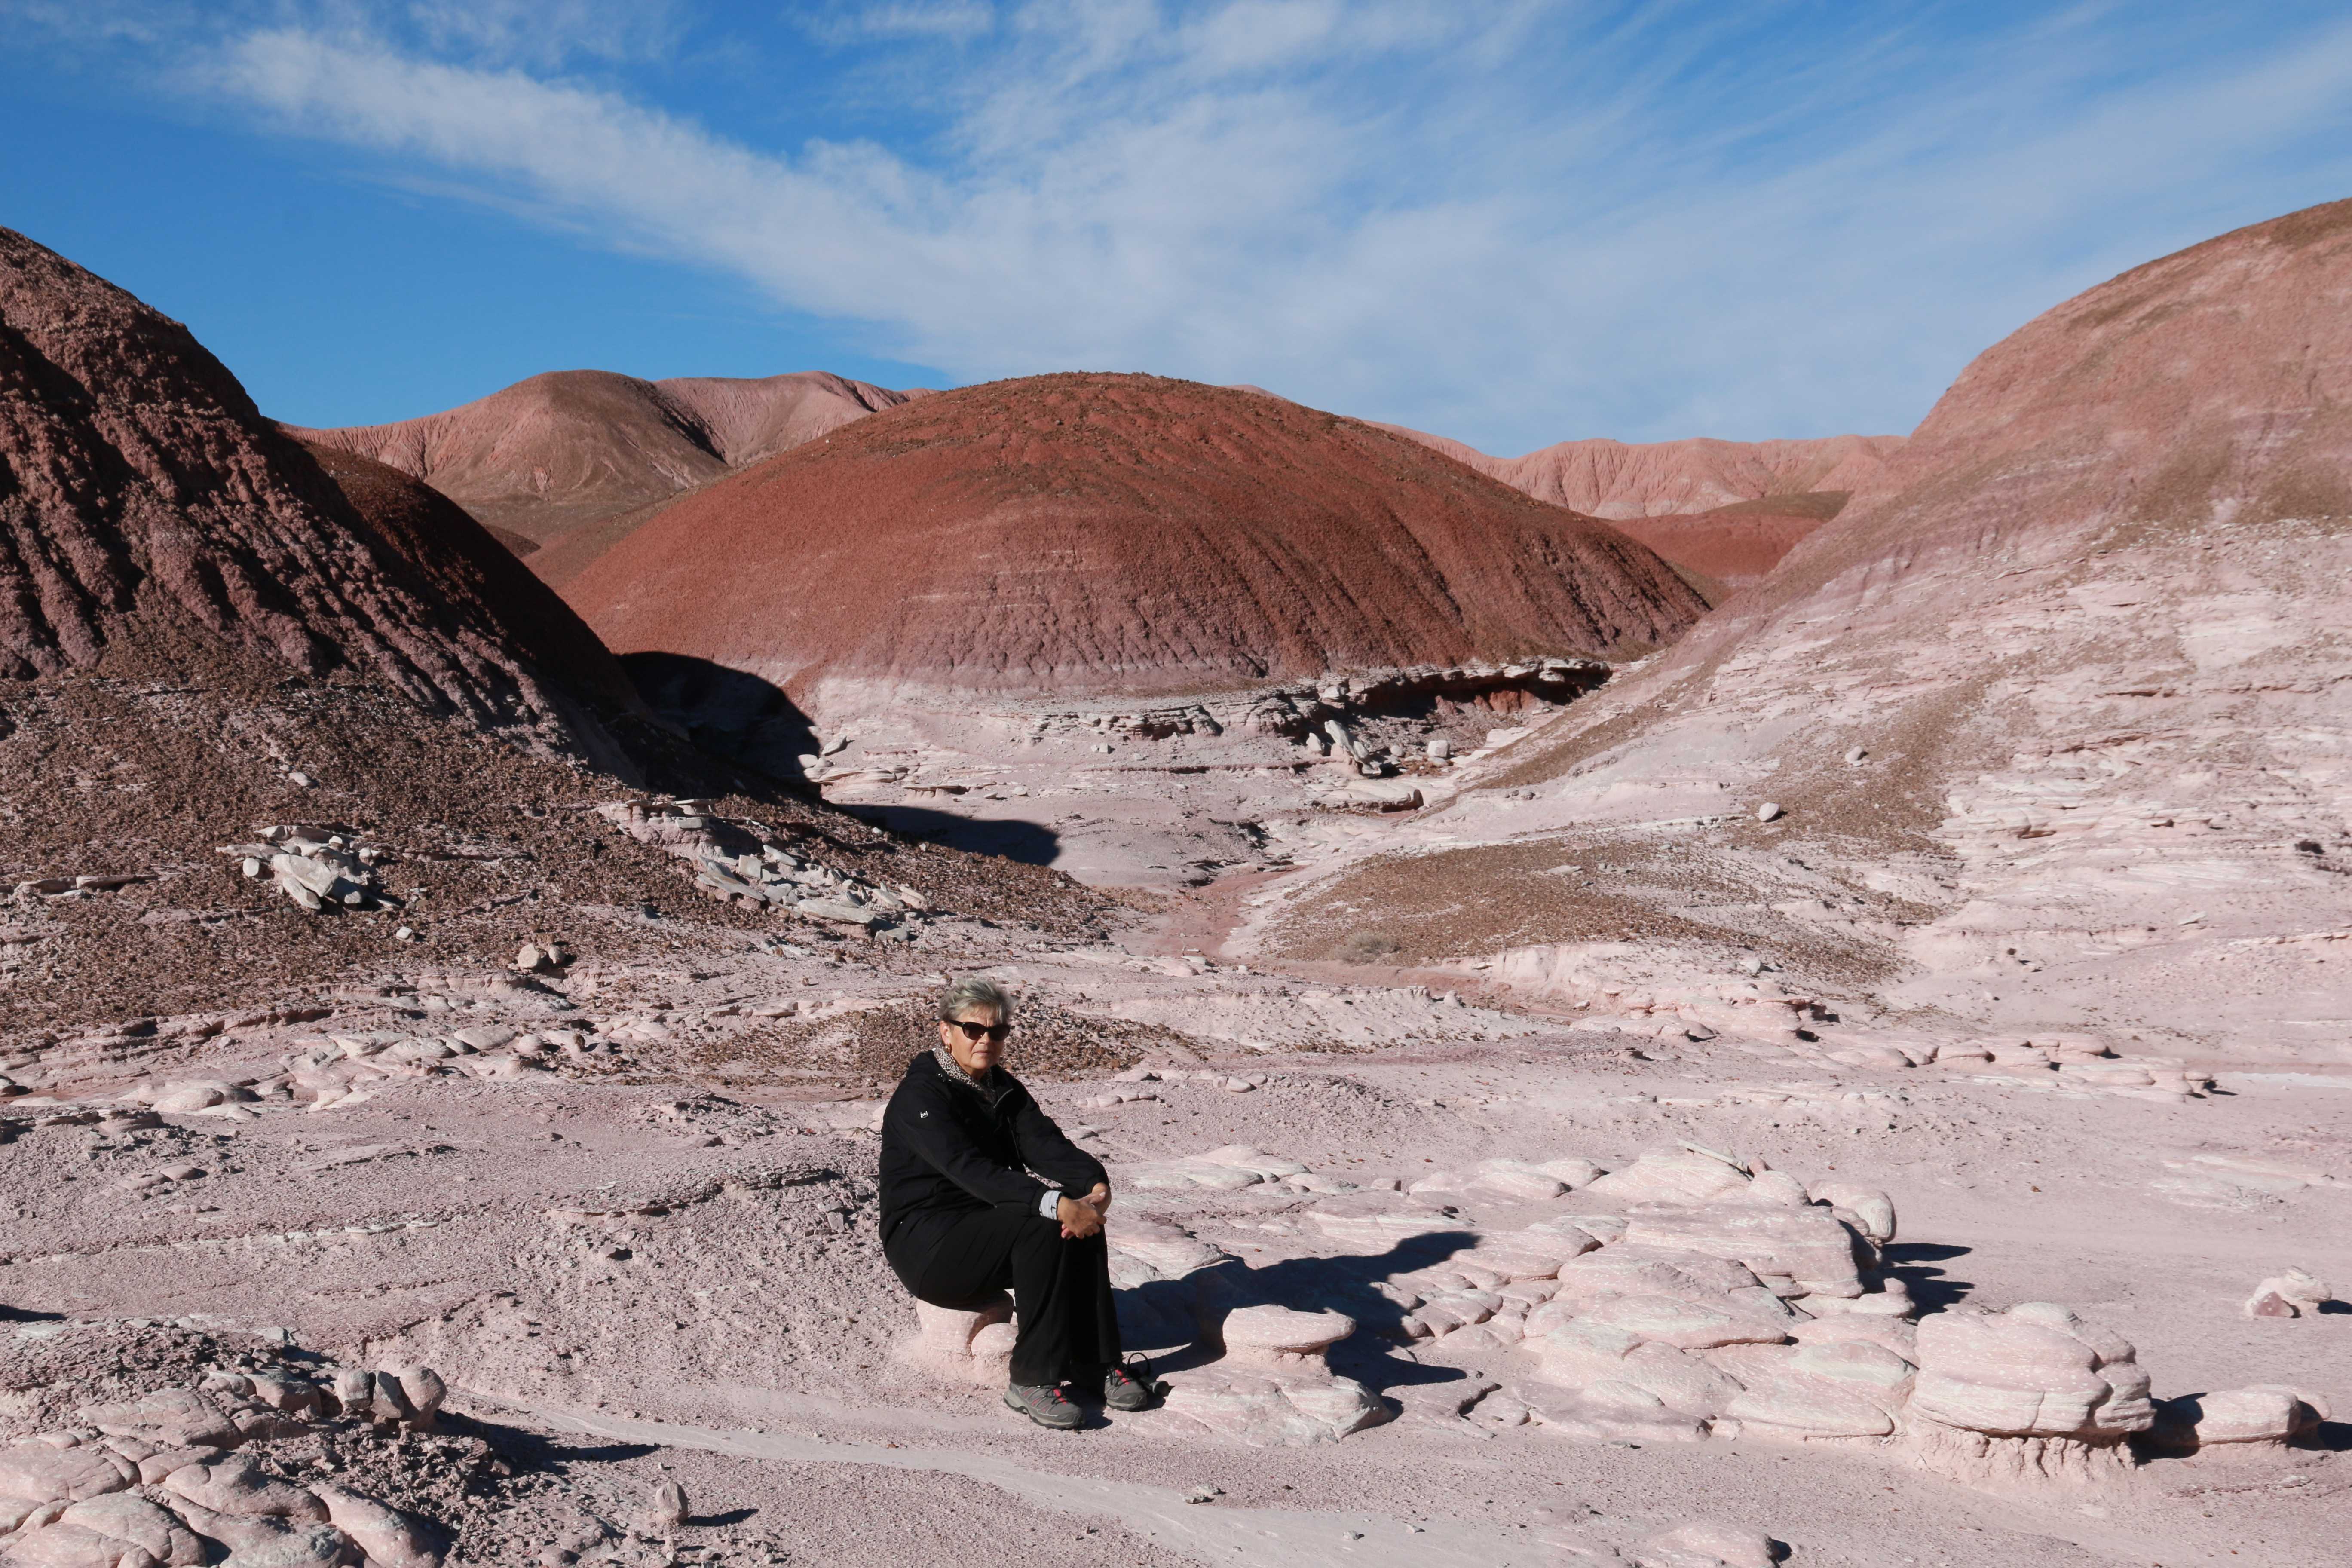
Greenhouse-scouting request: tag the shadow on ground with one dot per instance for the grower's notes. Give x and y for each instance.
(1030, 843)
(1347, 1284)
(728, 712)
(524, 1450)
(1913, 1262)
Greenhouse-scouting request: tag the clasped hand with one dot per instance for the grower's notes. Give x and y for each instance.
(1083, 1217)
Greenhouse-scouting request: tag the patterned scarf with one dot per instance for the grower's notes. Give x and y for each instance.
(990, 1091)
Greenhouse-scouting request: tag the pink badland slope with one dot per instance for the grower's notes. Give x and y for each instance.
(2086, 633)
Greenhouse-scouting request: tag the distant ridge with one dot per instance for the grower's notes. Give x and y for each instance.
(1618, 479)
(551, 458)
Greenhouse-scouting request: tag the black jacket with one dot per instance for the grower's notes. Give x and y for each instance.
(946, 1150)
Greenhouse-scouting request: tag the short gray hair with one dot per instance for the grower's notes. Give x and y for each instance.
(973, 990)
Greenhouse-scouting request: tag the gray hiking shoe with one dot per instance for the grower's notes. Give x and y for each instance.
(1122, 1390)
(1048, 1406)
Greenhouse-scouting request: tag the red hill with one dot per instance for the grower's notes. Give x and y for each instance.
(1090, 534)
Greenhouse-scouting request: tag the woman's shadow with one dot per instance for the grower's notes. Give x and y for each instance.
(1348, 1283)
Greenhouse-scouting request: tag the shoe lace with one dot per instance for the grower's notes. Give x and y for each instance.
(1126, 1367)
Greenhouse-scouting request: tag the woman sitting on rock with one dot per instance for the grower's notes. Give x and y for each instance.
(964, 1217)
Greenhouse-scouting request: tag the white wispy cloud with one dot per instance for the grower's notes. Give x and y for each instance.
(957, 19)
(545, 34)
(1514, 222)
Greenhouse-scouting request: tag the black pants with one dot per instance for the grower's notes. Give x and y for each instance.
(1061, 1287)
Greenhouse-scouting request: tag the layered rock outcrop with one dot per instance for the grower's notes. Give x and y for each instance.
(167, 1477)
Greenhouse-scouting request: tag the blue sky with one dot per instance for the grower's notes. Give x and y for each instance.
(1514, 222)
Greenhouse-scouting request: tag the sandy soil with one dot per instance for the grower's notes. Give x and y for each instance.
(629, 1276)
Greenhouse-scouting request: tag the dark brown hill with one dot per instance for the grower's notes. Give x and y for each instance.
(149, 513)
(1092, 534)
(463, 563)
(550, 458)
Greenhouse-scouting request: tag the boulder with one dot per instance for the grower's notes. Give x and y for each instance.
(1274, 1386)
(1842, 1389)
(1892, 1299)
(292, 1395)
(1684, 1175)
(169, 1419)
(1869, 1211)
(1264, 1408)
(179, 1101)
(410, 1395)
(354, 1390)
(1580, 1356)
(945, 1342)
(118, 1530)
(2035, 1370)
(154, 1464)
(2288, 1295)
(2239, 1420)
(27, 1513)
(390, 1539)
(1519, 1179)
(1683, 1323)
(298, 1546)
(268, 1540)
(1171, 1251)
(1449, 1311)
(235, 1485)
(1706, 1544)
(1552, 1240)
(1514, 1265)
(1378, 1221)
(2033, 1391)
(1574, 1173)
(1609, 1411)
(1629, 1269)
(34, 1472)
(1773, 1189)
(1893, 1333)
(1281, 1337)
(1796, 1251)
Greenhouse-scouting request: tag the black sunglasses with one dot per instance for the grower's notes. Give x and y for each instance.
(996, 1032)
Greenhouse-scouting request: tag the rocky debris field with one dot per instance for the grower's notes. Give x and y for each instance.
(128, 898)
